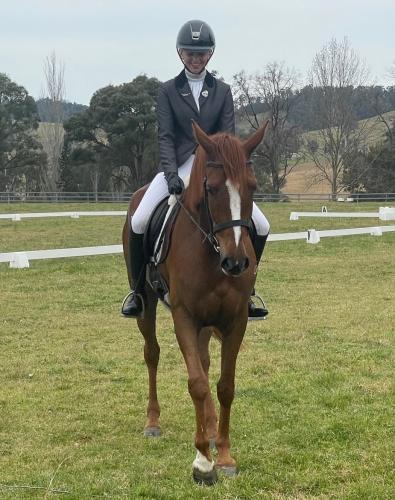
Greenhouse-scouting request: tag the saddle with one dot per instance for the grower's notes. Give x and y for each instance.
(157, 238)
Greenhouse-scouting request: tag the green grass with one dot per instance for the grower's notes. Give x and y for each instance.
(313, 412)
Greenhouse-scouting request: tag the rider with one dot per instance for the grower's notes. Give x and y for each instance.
(193, 94)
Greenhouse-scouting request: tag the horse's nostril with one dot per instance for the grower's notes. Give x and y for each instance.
(226, 264)
(234, 267)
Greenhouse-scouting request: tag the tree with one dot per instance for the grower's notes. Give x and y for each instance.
(336, 72)
(21, 155)
(272, 93)
(52, 133)
(117, 134)
(374, 170)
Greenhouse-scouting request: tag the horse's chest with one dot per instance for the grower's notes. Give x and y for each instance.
(217, 304)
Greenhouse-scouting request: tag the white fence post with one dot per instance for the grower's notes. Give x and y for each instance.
(313, 236)
(19, 260)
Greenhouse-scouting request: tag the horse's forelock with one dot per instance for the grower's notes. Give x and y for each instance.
(233, 158)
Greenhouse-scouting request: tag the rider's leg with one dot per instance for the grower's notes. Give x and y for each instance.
(133, 302)
(133, 305)
(262, 228)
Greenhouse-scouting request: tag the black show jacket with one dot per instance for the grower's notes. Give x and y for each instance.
(175, 109)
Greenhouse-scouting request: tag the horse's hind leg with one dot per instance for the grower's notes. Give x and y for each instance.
(209, 406)
(147, 326)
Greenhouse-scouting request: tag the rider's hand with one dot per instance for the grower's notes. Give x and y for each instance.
(175, 184)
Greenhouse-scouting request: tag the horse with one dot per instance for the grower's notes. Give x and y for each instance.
(210, 269)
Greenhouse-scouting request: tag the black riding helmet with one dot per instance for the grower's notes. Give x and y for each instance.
(196, 35)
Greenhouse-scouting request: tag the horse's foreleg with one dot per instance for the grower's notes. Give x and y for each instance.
(231, 342)
(209, 406)
(147, 326)
(198, 386)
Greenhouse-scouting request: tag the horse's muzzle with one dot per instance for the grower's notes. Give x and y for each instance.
(233, 267)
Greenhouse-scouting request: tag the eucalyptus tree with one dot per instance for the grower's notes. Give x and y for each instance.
(21, 155)
(116, 137)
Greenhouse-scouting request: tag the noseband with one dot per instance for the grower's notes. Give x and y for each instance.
(214, 227)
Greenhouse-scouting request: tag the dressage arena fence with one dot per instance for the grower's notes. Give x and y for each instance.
(21, 259)
(384, 213)
(105, 197)
(313, 236)
(73, 215)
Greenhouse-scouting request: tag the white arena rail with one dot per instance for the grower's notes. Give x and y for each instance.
(73, 215)
(384, 213)
(21, 259)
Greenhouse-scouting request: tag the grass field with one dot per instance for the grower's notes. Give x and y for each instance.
(313, 415)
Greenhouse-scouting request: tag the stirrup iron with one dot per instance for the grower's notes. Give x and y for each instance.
(132, 292)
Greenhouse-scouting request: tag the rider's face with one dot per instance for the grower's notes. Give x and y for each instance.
(195, 62)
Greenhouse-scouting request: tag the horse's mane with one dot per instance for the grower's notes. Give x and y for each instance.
(230, 154)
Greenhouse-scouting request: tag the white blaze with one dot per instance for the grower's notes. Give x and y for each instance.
(235, 208)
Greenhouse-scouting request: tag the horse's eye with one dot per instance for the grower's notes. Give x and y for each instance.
(211, 189)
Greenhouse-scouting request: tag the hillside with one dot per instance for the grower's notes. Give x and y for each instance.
(300, 179)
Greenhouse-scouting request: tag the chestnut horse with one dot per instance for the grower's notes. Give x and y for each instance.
(210, 270)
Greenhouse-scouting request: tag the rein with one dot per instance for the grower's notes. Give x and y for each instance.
(214, 227)
(207, 236)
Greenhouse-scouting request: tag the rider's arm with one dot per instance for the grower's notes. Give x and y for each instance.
(167, 150)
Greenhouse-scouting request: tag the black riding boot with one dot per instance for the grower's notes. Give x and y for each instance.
(258, 312)
(133, 304)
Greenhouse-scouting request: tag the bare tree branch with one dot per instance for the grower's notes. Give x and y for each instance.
(271, 91)
(336, 71)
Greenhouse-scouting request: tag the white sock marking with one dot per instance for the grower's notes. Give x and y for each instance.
(235, 208)
(202, 463)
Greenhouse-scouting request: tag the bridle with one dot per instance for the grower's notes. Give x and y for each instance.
(214, 227)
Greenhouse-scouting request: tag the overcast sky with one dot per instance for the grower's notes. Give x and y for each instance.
(112, 41)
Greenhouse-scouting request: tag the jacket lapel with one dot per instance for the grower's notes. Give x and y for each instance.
(185, 91)
(207, 89)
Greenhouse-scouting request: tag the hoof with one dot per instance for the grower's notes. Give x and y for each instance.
(212, 443)
(204, 478)
(227, 470)
(152, 432)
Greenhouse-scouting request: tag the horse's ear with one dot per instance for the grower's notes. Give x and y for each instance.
(252, 142)
(202, 138)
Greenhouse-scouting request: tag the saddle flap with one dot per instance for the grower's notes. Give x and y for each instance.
(157, 236)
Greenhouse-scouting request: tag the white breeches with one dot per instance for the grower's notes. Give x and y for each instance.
(158, 191)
